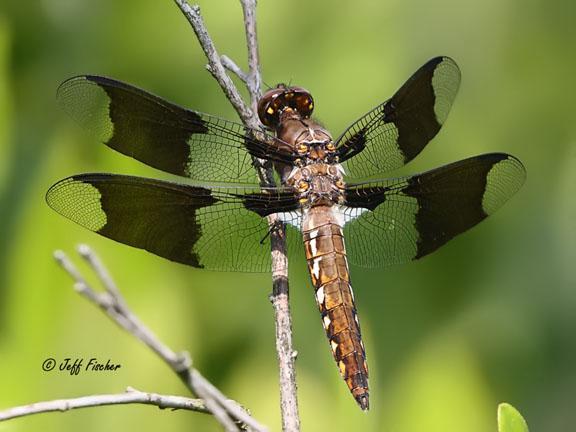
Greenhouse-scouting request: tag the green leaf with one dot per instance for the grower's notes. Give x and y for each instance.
(510, 420)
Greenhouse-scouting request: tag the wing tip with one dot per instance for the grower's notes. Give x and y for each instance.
(50, 193)
(504, 179)
(68, 82)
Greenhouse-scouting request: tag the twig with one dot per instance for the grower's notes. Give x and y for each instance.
(229, 413)
(229, 64)
(131, 396)
(280, 291)
(285, 351)
(215, 66)
(254, 77)
(226, 411)
(114, 305)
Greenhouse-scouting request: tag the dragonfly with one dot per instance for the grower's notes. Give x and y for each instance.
(331, 195)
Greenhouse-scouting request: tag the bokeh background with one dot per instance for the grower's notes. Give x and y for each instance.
(489, 318)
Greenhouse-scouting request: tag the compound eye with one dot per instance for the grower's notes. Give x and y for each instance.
(340, 184)
(330, 146)
(268, 114)
(268, 107)
(304, 104)
(303, 186)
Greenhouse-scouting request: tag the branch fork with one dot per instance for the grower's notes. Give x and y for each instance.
(231, 415)
(280, 299)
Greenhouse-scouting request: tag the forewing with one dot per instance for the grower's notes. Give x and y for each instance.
(164, 135)
(215, 228)
(405, 219)
(396, 131)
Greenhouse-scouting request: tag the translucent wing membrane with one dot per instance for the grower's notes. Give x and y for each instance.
(399, 220)
(224, 228)
(396, 131)
(165, 136)
(218, 228)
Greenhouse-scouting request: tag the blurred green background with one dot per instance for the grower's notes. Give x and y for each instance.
(489, 318)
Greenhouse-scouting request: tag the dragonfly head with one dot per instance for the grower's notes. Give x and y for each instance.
(281, 98)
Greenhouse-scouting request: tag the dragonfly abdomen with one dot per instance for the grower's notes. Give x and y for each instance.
(328, 267)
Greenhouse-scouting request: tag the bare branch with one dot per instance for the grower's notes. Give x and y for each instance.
(255, 79)
(283, 319)
(280, 289)
(280, 297)
(102, 273)
(229, 64)
(229, 413)
(131, 396)
(226, 411)
(112, 303)
(215, 66)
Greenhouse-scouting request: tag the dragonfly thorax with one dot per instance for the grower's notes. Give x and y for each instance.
(310, 141)
(318, 184)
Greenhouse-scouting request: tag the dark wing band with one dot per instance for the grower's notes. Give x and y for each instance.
(396, 131)
(165, 136)
(213, 228)
(405, 219)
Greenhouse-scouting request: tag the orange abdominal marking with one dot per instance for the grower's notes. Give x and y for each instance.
(328, 268)
(319, 186)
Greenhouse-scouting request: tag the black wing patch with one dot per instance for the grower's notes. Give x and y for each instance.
(219, 228)
(404, 219)
(164, 135)
(396, 131)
